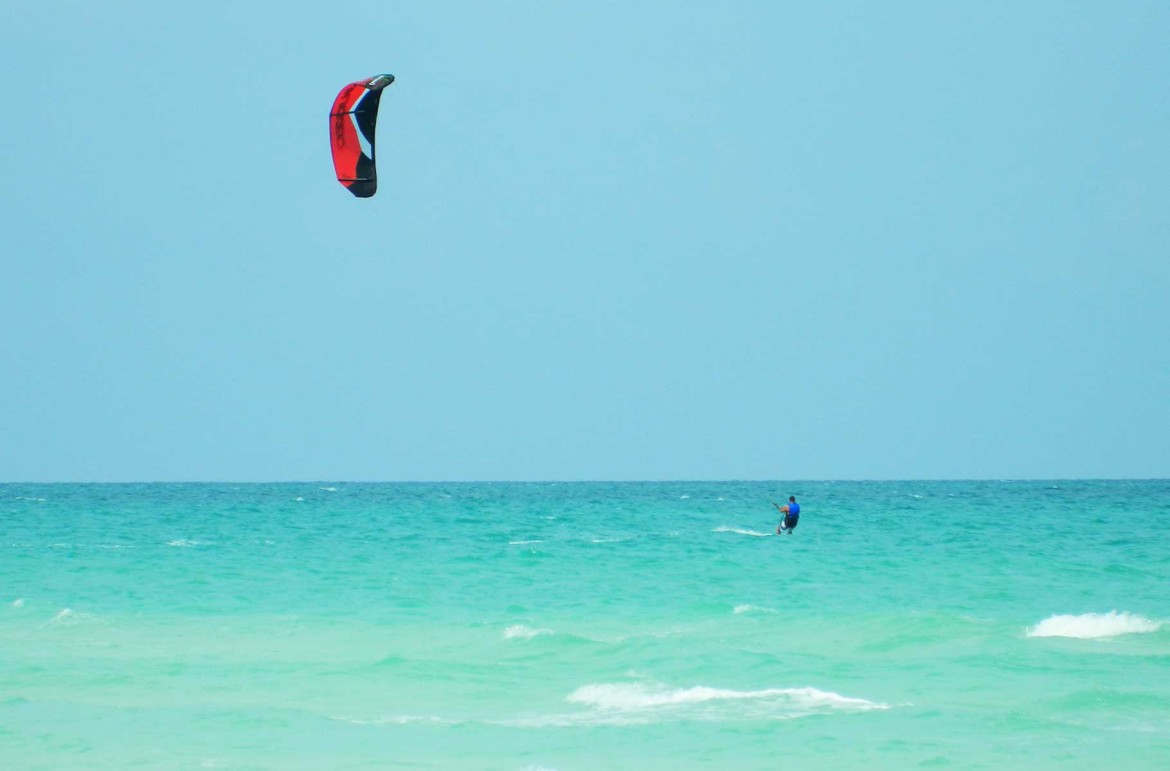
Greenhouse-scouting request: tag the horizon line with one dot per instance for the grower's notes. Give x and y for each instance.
(809, 480)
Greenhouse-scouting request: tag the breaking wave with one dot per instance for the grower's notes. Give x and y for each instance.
(635, 696)
(640, 704)
(1092, 626)
(521, 632)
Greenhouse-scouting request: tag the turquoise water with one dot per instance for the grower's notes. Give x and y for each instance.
(585, 626)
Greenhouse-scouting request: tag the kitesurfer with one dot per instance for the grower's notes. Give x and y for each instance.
(791, 512)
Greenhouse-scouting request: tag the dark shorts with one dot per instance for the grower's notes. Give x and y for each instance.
(790, 522)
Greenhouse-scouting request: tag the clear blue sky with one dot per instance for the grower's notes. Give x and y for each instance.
(612, 240)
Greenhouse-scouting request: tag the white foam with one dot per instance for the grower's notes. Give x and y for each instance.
(18, 603)
(637, 696)
(519, 631)
(623, 704)
(328, 489)
(1092, 626)
(182, 542)
(740, 531)
(522, 543)
(752, 609)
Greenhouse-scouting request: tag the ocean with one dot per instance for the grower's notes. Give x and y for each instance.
(526, 626)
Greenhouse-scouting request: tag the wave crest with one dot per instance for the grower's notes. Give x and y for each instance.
(521, 632)
(1092, 626)
(636, 696)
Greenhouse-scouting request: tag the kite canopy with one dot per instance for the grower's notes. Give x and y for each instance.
(351, 134)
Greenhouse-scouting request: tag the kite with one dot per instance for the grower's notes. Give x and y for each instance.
(351, 134)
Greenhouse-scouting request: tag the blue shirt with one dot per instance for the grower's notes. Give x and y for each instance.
(793, 509)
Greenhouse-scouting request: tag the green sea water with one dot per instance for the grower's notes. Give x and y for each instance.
(585, 626)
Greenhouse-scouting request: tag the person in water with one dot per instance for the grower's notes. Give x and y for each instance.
(791, 512)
